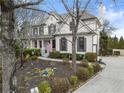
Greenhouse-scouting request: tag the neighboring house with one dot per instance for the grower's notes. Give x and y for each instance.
(53, 34)
(118, 52)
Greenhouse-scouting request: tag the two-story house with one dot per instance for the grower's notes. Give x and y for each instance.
(54, 34)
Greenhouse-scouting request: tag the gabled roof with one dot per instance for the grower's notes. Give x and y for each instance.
(65, 16)
(86, 16)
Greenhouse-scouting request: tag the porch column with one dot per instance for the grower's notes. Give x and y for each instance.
(43, 49)
(31, 44)
(38, 44)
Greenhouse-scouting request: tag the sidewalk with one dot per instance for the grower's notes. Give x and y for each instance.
(56, 60)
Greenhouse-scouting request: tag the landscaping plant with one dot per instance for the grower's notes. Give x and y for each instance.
(60, 85)
(73, 80)
(82, 73)
(91, 70)
(44, 87)
(91, 57)
(96, 67)
(84, 63)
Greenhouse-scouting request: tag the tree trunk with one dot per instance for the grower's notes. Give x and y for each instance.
(74, 52)
(7, 50)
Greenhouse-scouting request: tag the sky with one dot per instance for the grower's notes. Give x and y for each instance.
(114, 11)
(115, 14)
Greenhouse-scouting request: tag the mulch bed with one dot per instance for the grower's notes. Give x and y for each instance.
(62, 70)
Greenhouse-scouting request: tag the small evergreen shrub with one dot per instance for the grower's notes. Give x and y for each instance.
(32, 51)
(84, 63)
(91, 57)
(44, 87)
(60, 85)
(55, 54)
(96, 67)
(73, 80)
(82, 73)
(64, 55)
(79, 56)
(34, 58)
(91, 70)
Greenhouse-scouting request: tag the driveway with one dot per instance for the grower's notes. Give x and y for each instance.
(110, 80)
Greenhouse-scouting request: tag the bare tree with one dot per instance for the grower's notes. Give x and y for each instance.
(7, 41)
(75, 9)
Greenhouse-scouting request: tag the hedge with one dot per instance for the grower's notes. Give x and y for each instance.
(30, 51)
(58, 55)
(91, 57)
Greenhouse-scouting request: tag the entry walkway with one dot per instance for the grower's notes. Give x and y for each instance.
(110, 80)
(56, 60)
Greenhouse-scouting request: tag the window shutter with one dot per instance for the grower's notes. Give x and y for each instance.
(78, 44)
(60, 44)
(49, 29)
(84, 44)
(54, 28)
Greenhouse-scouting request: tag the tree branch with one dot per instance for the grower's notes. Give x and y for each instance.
(67, 8)
(55, 16)
(28, 4)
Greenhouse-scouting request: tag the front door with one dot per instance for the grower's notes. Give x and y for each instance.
(53, 44)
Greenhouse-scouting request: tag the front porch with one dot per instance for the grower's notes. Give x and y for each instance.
(46, 45)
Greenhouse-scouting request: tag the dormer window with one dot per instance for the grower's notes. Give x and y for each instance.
(52, 29)
(41, 30)
(35, 31)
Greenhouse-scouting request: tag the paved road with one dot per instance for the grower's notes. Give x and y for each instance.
(110, 80)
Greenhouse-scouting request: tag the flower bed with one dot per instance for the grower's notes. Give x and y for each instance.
(59, 75)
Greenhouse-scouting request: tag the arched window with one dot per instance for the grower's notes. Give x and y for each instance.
(81, 44)
(63, 44)
(52, 29)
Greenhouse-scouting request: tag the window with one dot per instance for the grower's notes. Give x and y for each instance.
(35, 31)
(81, 44)
(63, 44)
(52, 29)
(41, 30)
(40, 44)
(35, 43)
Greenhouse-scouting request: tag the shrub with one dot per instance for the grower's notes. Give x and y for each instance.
(54, 54)
(44, 87)
(91, 70)
(109, 51)
(60, 85)
(96, 67)
(84, 63)
(32, 51)
(64, 55)
(91, 57)
(82, 73)
(73, 80)
(34, 58)
(79, 56)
